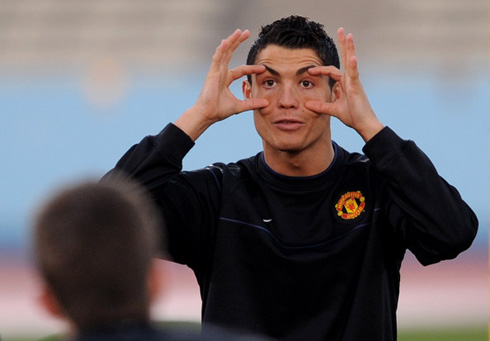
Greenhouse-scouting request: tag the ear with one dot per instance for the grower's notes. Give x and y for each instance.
(246, 89)
(336, 92)
(155, 279)
(49, 302)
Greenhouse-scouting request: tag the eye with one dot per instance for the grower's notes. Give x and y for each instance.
(306, 84)
(269, 83)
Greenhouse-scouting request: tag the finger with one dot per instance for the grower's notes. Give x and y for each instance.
(234, 40)
(341, 38)
(330, 71)
(320, 107)
(353, 70)
(351, 55)
(251, 104)
(244, 36)
(351, 50)
(222, 54)
(217, 57)
(243, 70)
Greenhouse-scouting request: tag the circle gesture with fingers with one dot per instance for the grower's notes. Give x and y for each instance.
(350, 104)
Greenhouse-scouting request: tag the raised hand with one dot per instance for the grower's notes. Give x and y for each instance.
(350, 104)
(216, 102)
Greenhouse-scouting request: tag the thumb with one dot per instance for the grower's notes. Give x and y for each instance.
(252, 104)
(320, 107)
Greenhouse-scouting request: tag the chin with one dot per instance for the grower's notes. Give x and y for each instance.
(289, 148)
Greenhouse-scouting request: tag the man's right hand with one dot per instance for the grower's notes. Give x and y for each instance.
(216, 102)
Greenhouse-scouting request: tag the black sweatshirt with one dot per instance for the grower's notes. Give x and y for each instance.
(303, 258)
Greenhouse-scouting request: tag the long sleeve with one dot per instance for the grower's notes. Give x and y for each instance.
(429, 213)
(187, 200)
(155, 159)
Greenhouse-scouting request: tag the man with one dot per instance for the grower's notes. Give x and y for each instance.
(95, 245)
(303, 241)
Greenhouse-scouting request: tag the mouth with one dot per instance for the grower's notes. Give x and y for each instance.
(288, 124)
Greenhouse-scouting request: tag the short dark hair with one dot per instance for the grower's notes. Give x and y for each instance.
(296, 32)
(94, 243)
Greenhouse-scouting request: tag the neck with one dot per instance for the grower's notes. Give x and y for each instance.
(299, 164)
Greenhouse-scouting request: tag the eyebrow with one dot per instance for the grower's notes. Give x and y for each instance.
(299, 72)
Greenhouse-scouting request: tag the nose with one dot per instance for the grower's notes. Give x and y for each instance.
(288, 97)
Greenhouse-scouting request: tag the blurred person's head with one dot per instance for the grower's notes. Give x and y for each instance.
(296, 32)
(94, 244)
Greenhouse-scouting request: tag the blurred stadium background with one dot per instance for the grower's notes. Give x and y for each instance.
(81, 81)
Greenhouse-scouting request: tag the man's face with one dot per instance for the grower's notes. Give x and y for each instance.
(285, 124)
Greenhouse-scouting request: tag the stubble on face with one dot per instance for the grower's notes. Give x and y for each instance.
(286, 126)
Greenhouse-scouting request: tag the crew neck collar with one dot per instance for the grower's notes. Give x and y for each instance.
(313, 180)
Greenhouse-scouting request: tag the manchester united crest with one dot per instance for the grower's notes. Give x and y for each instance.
(350, 205)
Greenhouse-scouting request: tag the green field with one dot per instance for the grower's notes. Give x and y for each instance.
(463, 334)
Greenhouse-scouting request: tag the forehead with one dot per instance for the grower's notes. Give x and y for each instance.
(276, 56)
